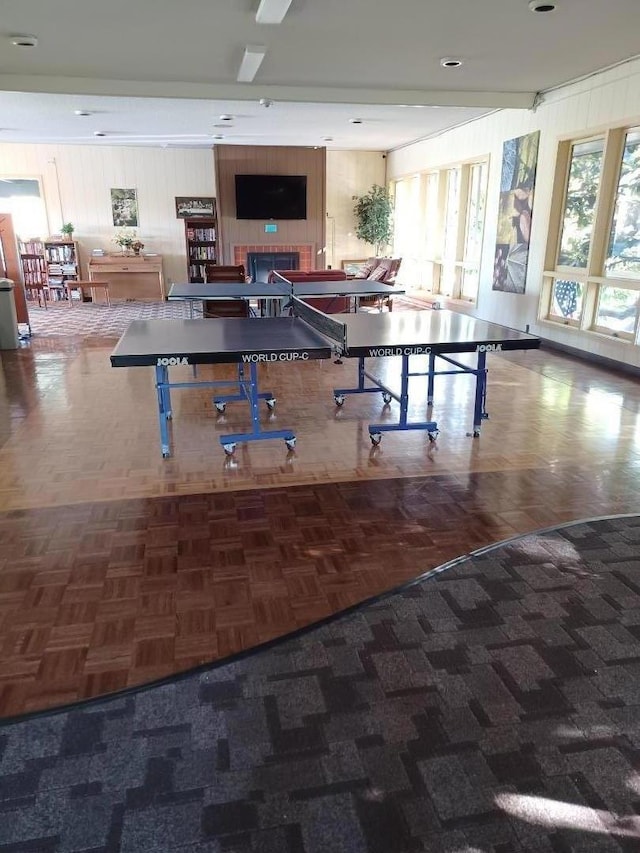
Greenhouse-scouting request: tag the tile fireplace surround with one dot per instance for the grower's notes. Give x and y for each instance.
(306, 252)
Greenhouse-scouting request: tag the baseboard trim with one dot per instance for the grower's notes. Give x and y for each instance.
(593, 358)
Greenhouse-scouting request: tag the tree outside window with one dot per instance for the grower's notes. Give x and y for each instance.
(580, 203)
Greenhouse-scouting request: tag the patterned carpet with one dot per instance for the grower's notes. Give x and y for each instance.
(89, 321)
(490, 707)
(95, 321)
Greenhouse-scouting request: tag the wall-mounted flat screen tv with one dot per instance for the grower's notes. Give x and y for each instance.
(271, 196)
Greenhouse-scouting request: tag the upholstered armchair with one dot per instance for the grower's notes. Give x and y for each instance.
(380, 269)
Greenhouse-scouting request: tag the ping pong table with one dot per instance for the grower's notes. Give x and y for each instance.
(310, 334)
(278, 293)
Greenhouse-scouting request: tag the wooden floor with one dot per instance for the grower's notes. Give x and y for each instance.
(118, 567)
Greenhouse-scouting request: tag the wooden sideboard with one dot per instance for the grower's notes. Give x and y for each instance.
(135, 277)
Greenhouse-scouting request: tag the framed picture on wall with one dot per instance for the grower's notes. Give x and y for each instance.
(190, 206)
(124, 208)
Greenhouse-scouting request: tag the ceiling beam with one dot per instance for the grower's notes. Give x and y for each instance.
(251, 92)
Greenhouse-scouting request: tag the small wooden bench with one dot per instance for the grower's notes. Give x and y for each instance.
(84, 284)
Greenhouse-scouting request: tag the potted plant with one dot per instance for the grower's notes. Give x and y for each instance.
(125, 239)
(373, 212)
(67, 229)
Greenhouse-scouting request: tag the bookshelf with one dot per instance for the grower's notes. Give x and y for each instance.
(201, 234)
(34, 268)
(63, 265)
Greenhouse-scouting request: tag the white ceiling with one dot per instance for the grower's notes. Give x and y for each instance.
(160, 72)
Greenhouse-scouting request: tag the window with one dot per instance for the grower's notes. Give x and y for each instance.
(406, 238)
(450, 241)
(22, 198)
(623, 257)
(474, 230)
(593, 252)
(580, 203)
(439, 219)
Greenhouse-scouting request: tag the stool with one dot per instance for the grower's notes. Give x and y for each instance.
(92, 286)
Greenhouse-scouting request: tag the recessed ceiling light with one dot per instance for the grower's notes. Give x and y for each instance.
(225, 117)
(24, 41)
(81, 113)
(355, 121)
(450, 62)
(537, 6)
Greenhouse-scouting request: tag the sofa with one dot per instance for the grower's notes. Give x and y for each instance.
(379, 269)
(329, 305)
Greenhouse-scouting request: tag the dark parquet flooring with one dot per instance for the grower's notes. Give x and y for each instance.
(106, 595)
(492, 707)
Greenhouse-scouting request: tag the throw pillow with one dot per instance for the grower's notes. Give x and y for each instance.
(365, 269)
(379, 273)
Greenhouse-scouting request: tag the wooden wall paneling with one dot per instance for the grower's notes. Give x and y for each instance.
(231, 160)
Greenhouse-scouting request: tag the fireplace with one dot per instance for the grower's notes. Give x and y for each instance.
(306, 254)
(260, 264)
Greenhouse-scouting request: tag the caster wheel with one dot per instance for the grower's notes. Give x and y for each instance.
(220, 407)
(169, 415)
(290, 442)
(271, 404)
(229, 449)
(165, 454)
(476, 433)
(339, 399)
(376, 438)
(386, 398)
(433, 436)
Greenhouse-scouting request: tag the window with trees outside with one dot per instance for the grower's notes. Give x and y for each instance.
(439, 226)
(592, 264)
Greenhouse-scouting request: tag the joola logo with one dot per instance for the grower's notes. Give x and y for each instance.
(170, 362)
(489, 348)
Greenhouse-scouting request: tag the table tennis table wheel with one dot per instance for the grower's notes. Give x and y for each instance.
(271, 403)
(376, 438)
(290, 442)
(386, 397)
(433, 435)
(339, 399)
(229, 449)
(220, 407)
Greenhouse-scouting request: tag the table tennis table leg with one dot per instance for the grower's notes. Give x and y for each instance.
(249, 391)
(376, 430)
(431, 427)
(479, 408)
(164, 408)
(430, 380)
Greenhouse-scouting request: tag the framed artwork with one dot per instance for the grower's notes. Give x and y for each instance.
(353, 267)
(124, 208)
(517, 180)
(189, 206)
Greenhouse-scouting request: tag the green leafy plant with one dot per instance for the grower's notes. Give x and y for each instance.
(67, 229)
(373, 212)
(125, 239)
